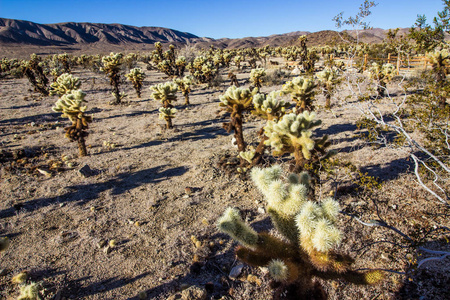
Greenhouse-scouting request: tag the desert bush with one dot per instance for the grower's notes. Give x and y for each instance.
(309, 235)
(136, 76)
(275, 77)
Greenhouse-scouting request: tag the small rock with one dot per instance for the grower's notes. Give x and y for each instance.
(236, 271)
(86, 171)
(101, 244)
(142, 295)
(194, 293)
(107, 249)
(261, 210)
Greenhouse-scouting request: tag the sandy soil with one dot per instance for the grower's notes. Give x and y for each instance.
(154, 189)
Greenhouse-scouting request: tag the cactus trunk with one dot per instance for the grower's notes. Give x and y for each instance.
(186, 97)
(82, 146)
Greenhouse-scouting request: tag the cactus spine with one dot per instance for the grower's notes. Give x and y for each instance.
(311, 233)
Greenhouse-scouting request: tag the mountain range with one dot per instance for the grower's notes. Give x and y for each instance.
(15, 34)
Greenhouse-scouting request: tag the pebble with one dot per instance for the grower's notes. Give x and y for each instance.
(236, 271)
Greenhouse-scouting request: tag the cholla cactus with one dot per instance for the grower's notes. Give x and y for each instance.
(237, 61)
(64, 84)
(382, 74)
(167, 114)
(136, 76)
(270, 106)
(166, 93)
(130, 60)
(236, 100)
(311, 233)
(33, 69)
(70, 105)
(328, 79)
(292, 134)
(256, 77)
(181, 63)
(438, 60)
(111, 67)
(184, 85)
(302, 92)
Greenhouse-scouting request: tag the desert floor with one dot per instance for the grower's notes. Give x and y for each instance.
(151, 190)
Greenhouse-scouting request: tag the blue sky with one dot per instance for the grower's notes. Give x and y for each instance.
(217, 19)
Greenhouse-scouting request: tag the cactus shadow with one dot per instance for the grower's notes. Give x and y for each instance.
(431, 279)
(76, 287)
(391, 170)
(82, 194)
(50, 117)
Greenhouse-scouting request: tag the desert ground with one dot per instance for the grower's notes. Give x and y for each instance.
(155, 194)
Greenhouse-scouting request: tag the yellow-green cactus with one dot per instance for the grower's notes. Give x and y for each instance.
(382, 74)
(64, 84)
(269, 106)
(302, 91)
(184, 85)
(328, 78)
(167, 114)
(165, 93)
(311, 234)
(257, 76)
(136, 76)
(71, 106)
(236, 100)
(112, 67)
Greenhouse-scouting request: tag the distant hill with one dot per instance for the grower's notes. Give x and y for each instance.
(95, 37)
(63, 34)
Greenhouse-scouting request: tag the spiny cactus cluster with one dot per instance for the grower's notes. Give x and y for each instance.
(257, 77)
(184, 85)
(302, 91)
(328, 78)
(136, 76)
(71, 106)
(112, 67)
(33, 69)
(166, 93)
(271, 106)
(64, 84)
(292, 134)
(382, 74)
(311, 233)
(236, 101)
